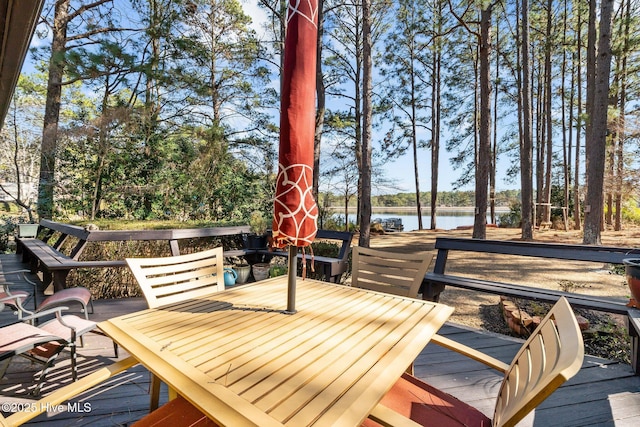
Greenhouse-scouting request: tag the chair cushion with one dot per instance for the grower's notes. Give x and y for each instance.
(176, 412)
(21, 337)
(82, 326)
(427, 405)
(15, 295)
(80, 294)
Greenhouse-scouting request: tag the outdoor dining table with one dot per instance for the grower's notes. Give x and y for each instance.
(238, 357)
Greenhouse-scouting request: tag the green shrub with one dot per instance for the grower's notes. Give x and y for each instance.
(8, 226)
(631, 214)
(512, 219)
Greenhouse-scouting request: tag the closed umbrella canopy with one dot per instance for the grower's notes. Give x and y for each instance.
(295, 211)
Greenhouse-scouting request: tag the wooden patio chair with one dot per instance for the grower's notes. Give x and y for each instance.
(42, 343)
(172, 279)
(390, 272)
(167, 280)
(552, 354)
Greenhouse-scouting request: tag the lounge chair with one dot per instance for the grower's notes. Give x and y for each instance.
(552, 354)
(42, 343)
(63, 297)
(67, 392)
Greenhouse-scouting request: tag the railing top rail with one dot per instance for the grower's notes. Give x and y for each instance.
(575, 252)
(126, 235)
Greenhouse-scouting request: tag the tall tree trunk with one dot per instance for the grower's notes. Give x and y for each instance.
(321, 104)
(367, 89)
(102, 152)
(566, 139)
(494, 145)
(548, 122)
(597, 136)
(539, 139)
(414, 144)
(622, 121)
(435, 117)
(357, 105)
(609, 177)
(526, 167)
(577, 211)
(484, 149)
(52, 110)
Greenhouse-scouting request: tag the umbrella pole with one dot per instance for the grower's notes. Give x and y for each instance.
(291, 279)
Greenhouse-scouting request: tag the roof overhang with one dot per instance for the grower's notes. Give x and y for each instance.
(18, 20)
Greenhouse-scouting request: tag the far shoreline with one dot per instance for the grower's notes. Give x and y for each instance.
(412, 209)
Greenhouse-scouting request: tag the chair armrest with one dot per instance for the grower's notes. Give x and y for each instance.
(9, 297)
(470, 352)
(4, 274)
(69, 391)
(390, 418)
(57, 310)
(7, 273)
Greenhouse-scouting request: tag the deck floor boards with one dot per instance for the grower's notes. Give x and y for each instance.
(603, 393)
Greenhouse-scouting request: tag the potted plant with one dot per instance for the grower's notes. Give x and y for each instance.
(258, 226)
(278, 270)
(27, 230)
(632, 273)
(243, 269)
(261, 270)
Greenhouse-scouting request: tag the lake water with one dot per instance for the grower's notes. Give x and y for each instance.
(446, 220)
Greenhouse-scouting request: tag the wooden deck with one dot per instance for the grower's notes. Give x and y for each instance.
(604, 393)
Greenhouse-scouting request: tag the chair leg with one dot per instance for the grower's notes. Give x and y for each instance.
(43, 374)
(4, 364)
(172, 393)
(154, 392)
(74, 371)
(409, 369)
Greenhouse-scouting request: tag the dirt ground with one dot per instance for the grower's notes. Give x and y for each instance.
(471, 307)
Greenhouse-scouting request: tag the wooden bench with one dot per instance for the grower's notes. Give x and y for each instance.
(43, 253)
(55, 265)
(331, 268)
(435, 282)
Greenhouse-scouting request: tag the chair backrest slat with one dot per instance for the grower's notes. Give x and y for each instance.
(553, 353)
(390, 272)
(167, 280)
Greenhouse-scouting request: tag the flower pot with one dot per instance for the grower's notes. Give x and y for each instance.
(632, 271)
(260, 271)
(27, 230)
(243, 271)
(254, 241)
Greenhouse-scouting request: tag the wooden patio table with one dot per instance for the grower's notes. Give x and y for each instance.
(242, 361)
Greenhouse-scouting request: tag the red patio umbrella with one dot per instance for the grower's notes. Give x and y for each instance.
(295, 210)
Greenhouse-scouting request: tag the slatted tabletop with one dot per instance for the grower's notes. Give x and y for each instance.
(241, 360)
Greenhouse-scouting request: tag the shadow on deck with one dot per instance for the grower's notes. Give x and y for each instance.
(603, 393)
